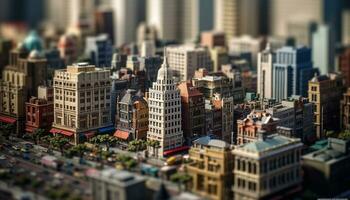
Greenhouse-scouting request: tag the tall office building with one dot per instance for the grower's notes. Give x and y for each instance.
(269, 168)
(99, 49)
(301, 31)
(325, 91)
(163, 15)
(323, 49)
(164, 104)
(65, 13)
(345, 111)
(180, 19)
(81, 102)
(184, 60)
(291, 72)
(346, 27)
(238, 17)
(344, 65)
(126, 20)
(266, 58)
(104, 22)
(282, 12)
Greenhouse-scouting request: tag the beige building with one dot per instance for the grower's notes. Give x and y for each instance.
(268, 168)
(81, 101)
(211, 168)
(184, 60)
(19, 81)
(326, 92)
(219, 57)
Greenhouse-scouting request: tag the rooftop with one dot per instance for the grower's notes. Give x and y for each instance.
(207, 141)
(268, 143)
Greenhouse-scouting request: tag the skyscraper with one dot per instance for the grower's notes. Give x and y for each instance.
(291, 72)
(99, 49)
(126, 20)
(164, 104)
(323, 49)
(266, 58)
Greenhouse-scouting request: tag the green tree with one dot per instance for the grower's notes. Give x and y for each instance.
(345, 135)
(181, 179)
(59, 142)
(137, 145)
(331, 134)
(79, 150)
(155, 145)
(6, 130)
(105, 139)
(38, 134)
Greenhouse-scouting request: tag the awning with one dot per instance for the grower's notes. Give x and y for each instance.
(106, 129)
(89, 135)
(30, 129)
(121, 134)
(176, 150)
(7, 120)
(60, 131)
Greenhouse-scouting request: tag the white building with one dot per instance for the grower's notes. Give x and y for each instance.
(164, 112)
(81, 101)
(126, 20)
(180, 19)
(164, 16)
(246, 45)
(265, 66)
(65, 13)
(184, 60)
(281, 12)
(323, 49)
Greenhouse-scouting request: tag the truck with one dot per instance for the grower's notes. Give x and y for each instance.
(51, 162)
(173, 160)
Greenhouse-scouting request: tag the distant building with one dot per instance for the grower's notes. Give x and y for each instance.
(81, 102)
(323, 49)
(146, 33)
(345, 27)
(325, 92)
(39, 110)
(268, 168)
(104, 22)
(127, 18)
(164, 103)
(345, 111)
(266, 58)
(211, 168)
(295, 113)
(33, 42)
(219, 117)
(184, 60)
(99, 49)
(291, 72)
(151, 66)
(212, 39)
(5, 48)
(228, 84)
(344, 66)
(25, 72)
(282, 12)
(219, 57)
(113, 184)
(192, 111)
(301, 31)
(132, 118)
(257, 122)
(246, 47)
(326, 170)
(68, 47)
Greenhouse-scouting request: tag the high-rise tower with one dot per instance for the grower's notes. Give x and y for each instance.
(164, 112)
